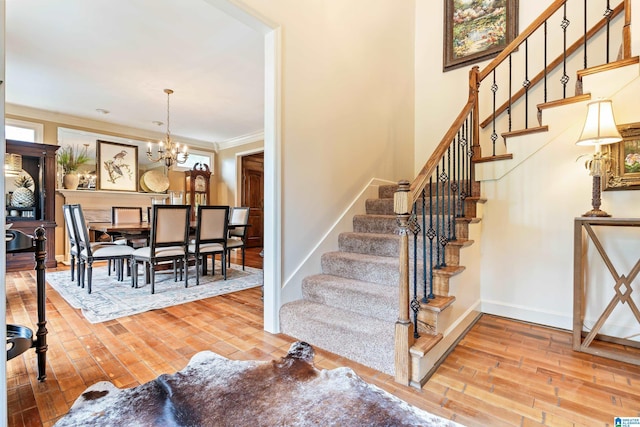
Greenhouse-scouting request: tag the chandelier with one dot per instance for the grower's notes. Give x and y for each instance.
(169, 152)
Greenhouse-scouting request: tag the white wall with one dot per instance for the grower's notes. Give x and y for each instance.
(347, 108)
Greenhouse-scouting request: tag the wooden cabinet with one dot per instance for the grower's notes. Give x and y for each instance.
(196, 186)
(38, 163)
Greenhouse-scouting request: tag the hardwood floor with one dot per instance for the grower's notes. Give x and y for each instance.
(502, 373)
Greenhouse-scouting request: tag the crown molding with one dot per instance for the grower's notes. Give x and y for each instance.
(24, 112)
(238, 141)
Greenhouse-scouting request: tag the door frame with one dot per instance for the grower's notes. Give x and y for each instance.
(240, 186)
(238, 192)
(272, 267)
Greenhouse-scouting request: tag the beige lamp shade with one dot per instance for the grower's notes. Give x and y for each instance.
(600, 125)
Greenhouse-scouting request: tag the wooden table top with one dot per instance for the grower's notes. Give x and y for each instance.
(135, 227)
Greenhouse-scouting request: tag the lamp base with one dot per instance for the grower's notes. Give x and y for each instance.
(595, 200)
(596, 213)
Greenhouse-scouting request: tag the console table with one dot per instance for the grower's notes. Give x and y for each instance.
(20, 338)
(622, 286)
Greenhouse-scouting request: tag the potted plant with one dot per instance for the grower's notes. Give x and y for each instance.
(70, 158)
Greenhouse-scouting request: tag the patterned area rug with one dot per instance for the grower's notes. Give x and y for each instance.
(110, 299)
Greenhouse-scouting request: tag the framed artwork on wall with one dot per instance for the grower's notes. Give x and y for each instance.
(475, 30)
(117, 166)
(623, 172)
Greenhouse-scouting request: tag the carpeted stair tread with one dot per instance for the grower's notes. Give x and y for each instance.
(379, 207)
(387, 191)
(360, 338)
(382, 224)
(369, 299)
(368, 268)
(370, 243)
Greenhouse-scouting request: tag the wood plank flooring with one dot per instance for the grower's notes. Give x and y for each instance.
(502, 373)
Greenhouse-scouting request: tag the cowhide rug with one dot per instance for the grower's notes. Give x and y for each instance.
(214, 391)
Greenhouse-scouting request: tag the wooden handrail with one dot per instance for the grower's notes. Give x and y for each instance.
(552, 65)
(420, 181)
(521, 38)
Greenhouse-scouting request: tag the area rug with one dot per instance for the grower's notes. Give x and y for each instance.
(215, 391)
(110, 299)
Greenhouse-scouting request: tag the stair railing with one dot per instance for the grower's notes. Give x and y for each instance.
(429, 208)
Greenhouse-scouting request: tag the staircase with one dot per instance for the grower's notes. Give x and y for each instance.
(351, 307)
(367, 302)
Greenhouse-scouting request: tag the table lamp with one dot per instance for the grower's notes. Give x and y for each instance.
(599, 129)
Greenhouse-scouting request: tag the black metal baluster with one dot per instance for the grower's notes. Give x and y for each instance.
(442, 236)
(470, 156)
(510, 91)
(526, 83)
(447, 175)
(585, 35)
(424, 247)
(414, 304)
(494, 135)
(431, 234)
(463, 162)
(545, 61)
(565, 78)
(607, 13)
(456, 170)
(437, 200)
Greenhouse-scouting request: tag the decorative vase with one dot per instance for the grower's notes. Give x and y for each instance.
(70, 181)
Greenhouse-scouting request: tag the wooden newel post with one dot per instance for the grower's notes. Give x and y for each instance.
(404, 328)
(626, 31)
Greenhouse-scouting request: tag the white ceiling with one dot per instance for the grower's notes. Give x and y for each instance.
(76, 56)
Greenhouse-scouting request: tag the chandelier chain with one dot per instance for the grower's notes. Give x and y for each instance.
(168, 151)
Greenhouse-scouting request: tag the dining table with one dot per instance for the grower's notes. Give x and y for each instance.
(135, 228)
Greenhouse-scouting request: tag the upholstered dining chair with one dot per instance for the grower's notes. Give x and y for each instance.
(73, 241)
(90, 252)
(169, 241)
(127, 215)
(210, 239)
(237, 232)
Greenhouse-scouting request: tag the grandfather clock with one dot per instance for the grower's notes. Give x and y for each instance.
(196, 186)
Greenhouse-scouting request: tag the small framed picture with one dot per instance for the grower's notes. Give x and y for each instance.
(117, 167)
(623, 172)
(475, 30)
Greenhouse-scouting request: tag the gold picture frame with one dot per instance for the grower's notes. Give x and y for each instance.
(623, 172)
(117, 166)
(473, 33)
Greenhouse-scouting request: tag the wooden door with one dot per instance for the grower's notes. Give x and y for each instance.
(253, 196)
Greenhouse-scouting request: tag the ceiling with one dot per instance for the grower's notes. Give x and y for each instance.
(77, 56)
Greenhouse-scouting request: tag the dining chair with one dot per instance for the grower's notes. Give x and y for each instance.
(210, 239)
(96, 251)
(237, 232)
(128, 214)
(73, 241)
(169, 241)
